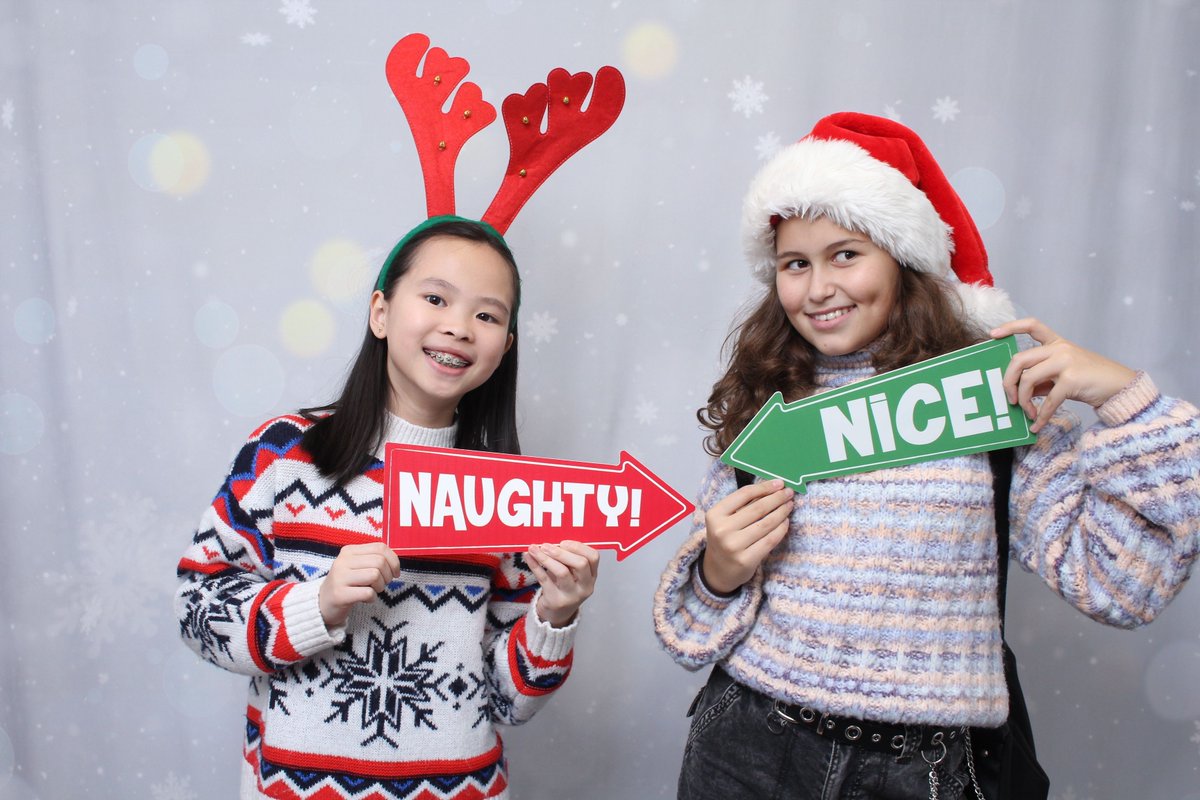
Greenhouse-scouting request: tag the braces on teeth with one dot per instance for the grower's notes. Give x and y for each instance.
(446, 359)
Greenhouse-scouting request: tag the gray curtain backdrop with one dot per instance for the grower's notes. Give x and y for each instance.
(194, 198)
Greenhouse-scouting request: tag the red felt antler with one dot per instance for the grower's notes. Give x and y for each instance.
(569, 128)
(439, 136)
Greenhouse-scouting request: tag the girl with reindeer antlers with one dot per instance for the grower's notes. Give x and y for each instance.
(368, 675)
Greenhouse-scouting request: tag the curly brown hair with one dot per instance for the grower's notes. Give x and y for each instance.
(767, 355)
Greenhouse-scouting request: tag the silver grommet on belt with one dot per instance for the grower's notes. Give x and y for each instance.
(807, 715)
(898, 741)
(853, 732)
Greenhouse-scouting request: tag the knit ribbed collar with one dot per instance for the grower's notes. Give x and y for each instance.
(404, 432)
(834, 371)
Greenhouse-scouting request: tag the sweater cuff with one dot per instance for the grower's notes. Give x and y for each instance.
(1126, 404)
(306, 630)
(705, 593)
(546, 641)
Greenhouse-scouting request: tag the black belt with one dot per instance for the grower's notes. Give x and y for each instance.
(882, 737)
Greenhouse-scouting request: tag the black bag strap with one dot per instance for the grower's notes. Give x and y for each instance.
(1018, 713)
(1002, 464)
(742, 477)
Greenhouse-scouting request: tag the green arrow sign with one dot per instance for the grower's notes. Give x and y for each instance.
(953, 404)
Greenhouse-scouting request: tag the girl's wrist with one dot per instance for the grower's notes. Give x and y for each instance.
(555, 618)
(707, 582)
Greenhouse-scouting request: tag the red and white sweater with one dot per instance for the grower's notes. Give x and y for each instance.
(400, 702)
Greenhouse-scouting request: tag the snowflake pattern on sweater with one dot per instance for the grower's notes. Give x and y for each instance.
(401, 701)
(881, 601)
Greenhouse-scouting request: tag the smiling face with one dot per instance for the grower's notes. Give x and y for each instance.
(836, 286)
(446, 325)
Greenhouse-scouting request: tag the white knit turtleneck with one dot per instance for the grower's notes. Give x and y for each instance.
(404, 432)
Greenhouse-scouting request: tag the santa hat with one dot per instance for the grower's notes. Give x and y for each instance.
(875, 176)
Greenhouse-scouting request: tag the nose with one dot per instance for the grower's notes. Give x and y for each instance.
(457, 324)
(821, 284)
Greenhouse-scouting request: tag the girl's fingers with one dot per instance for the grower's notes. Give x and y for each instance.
(763, 547)
(573, 561)
(746, 495)
(1031, 326)
(591, 554)
(1021, 364)
(747, 523)
(1054, 398)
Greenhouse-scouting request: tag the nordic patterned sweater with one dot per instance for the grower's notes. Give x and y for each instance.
(880, 603)
(401, 701)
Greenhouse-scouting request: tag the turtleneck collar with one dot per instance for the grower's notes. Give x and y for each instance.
(404, 432)
(834, 371)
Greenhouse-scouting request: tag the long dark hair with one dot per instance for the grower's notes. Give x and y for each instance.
(766, 354)
(345, 433)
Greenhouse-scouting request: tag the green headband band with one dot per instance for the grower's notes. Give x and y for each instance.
(424, 226)
(438, 220)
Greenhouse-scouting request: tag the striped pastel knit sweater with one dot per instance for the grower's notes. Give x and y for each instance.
(400, 703)
(880, 603)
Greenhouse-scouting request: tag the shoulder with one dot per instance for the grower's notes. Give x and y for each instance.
(281, 429)
(718, 481)
(279, 437)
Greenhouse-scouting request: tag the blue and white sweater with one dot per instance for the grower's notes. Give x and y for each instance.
(880, 603)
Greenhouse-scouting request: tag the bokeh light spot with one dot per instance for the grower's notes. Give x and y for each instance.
(340, 271)
(34, 320)
(151, 62)
(216, 324)
(983, 194)
(181, 163)
(248, 380)
(176, 163)
(306, 328)
(21, 423)
(651, 50)
(1171, 681)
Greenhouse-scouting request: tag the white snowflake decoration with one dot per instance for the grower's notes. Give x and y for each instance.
(173, 788)
(298, 12)
(1196, 736)
(1023, 208)
(889, 111)
(256, 39)
(748, 96)
(646, 412)
(945, 109)
(767, 146)
(1187, 205)
(130, 543)
(541, 327)
(1197, 171)
(9, 111)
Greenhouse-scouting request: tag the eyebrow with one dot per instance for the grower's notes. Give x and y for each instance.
(446, 286)
(827, 248)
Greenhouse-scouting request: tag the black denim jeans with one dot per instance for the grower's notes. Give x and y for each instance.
(731, 753)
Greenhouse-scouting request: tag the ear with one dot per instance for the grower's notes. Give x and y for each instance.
(377, 318)
(508, 344)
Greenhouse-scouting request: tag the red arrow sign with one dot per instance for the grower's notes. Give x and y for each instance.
(438, 501)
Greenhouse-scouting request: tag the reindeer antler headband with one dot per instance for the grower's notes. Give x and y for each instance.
(533, 155)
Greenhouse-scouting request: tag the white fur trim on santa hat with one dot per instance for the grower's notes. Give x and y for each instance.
(841, 181)
(987, 306)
